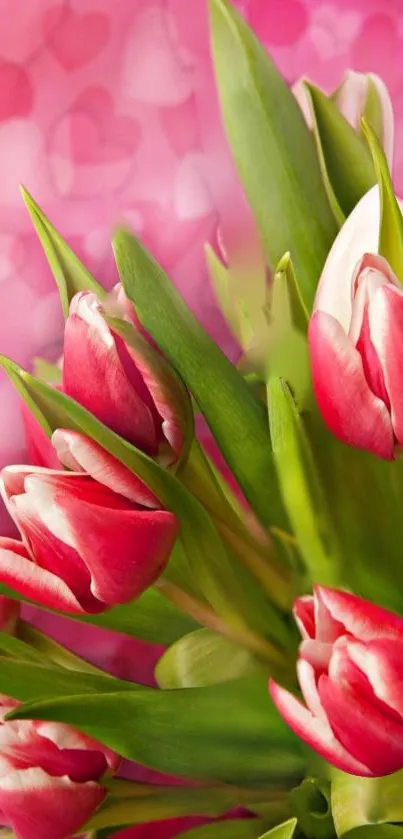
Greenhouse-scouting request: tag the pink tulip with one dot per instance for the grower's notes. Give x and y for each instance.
(84, 548)
(350, 671)
(49, 776)
(121, 385)
(355, 338)
(353, 98)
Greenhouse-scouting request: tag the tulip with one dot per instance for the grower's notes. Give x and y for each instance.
(121, 385)
(49, 776)
(360, 94)
(84, 548)
(350, 671)
(355, 338)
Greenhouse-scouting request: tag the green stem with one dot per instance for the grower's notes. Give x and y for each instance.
(240, 635)
(200, 476)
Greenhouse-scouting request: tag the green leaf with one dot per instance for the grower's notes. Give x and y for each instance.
(152, 617)
(45, 650)
(365, 801)
(228, 829)
(24, 680)
(347, 169)
(70, 274)
(230, 732)
(19, 649)
(281, 831)
(288, 356)
(391, 227)
(231, 590)
(272, 148)
(152, 803)
(203, 658)
(236, 419)
(301, 487)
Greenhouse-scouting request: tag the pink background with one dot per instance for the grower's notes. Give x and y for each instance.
(107, 113)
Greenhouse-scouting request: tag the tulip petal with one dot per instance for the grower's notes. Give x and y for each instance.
(382, 662)
(37, 806)
(359, 235)
(304, 615)
(361, 619)
(315, 732)
(65, 737)
(386, 325)
(19, 572)
(307, 680)
(124, 551)
(372, 737)
(352, 412)
(39, 447)
(81, 454)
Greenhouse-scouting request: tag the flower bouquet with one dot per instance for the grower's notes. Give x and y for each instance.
(244, 517)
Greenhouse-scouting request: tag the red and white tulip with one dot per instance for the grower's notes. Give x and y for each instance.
(350, 671)
(355, 338)
(119, 383)
(84, 547)
(50, 776)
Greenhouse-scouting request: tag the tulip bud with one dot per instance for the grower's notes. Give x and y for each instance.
(350, 674)
(360, 94)
(85, 548)
(50, 776)
(355, 338)
(121, 385)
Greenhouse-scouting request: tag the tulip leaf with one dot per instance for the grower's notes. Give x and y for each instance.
(203, 658)
(230, 732)
(70, 274)
(391, 224)
(220, 279)
(24, 679)
(19, 649)
(281, 831)
(301, 486)
(359, 802)
(347, 169)
(310, 803)
(152, 803)
(226, 584)
(272, 148)
(236, 418)
(228, 829)
(151, 618)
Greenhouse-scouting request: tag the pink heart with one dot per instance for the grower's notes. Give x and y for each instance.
(77, 39)
(16, 93)
(97, 135)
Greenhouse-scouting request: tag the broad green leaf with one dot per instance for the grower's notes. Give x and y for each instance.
(70, 274)
(236, 419)
(24, 680)
(301, 487)
(230, 732)
(391, 227)
(220, 279)
(203, 658)
(347, 169)
(272, 148)
(286, 302)
(281, 831)
(149, 803)
(228, 829)
(226, 584)
(359, 802)
(152, 617)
